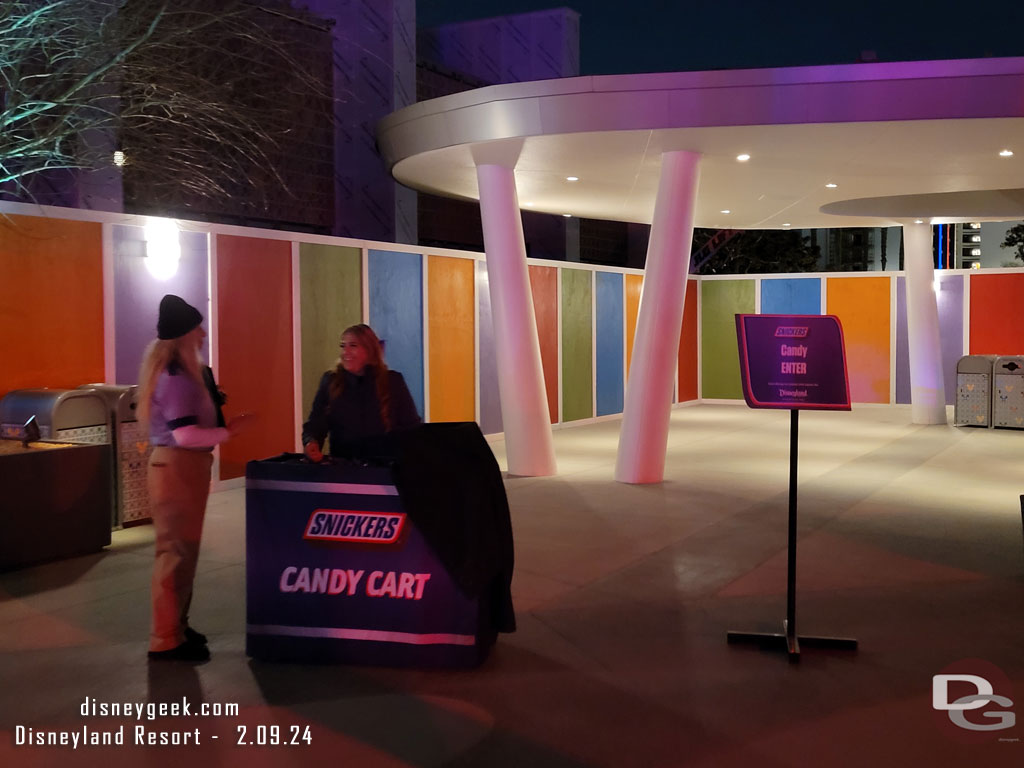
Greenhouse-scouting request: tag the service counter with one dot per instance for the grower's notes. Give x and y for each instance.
(337, 571)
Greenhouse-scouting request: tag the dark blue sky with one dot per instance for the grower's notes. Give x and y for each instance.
(661, 35)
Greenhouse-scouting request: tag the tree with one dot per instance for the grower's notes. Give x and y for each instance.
(1015, 239)
(754, 251)
(198, 98)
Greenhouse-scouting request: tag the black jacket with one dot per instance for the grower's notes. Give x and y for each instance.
(354, 415)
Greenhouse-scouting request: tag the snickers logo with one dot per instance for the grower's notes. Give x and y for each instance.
(791, 332)
(346, 525)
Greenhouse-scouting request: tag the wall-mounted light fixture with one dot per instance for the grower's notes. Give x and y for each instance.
(163, 250)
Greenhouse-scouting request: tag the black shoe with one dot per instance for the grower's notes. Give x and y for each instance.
(196, 638)
(185, 652)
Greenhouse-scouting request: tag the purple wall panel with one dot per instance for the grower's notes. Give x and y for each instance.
(950, 300)
(490, 403)
(137, 294)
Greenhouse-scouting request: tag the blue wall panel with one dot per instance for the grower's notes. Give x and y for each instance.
(791, 296)
(490, 402)
(396, 313)
(609, 343)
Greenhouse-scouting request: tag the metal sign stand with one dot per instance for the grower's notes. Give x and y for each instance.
(789, 638)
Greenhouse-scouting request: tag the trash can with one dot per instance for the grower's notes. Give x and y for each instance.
(131, 447)
(63, 415)
(973, 406)
(1008, 392)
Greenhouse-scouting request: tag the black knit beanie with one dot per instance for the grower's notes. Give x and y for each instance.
(177, 317)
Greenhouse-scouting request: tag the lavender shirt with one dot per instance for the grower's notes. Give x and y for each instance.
(178, 401)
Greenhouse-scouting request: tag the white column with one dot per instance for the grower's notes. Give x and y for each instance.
(927, 390)
(524, 406)
(645, 420)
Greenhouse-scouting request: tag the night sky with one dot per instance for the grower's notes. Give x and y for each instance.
(664, 36)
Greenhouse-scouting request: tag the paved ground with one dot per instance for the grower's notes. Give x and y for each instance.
(910, 541)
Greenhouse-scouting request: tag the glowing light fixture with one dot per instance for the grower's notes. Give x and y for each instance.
(572, 178)
(787, 224)
(119, 158)
(919, 221)
(567, 215)
(163, 250)
(830, 185)
(742, 158)
(1006, 153)
(529, 205)
(725, 211)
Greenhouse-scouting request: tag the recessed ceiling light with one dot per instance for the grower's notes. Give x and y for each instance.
(1006, 153)
(743, 158)
(572, 178)
(830, 185)
(787, 224)
(529, 205)
(567, 215)
(919, 221)
(726, 211)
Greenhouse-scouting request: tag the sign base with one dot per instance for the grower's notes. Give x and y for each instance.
(791, 641)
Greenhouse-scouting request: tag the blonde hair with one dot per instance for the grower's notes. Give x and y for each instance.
(160, 355)
(375, 358)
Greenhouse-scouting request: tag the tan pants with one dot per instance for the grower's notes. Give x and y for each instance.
(179, 484)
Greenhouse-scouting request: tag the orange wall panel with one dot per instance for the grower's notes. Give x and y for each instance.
(51, 304)
(255, 347)
(688, 346)
(451, 313)
(634, 284)
(997, 314)
(544, 287)
(863, 306)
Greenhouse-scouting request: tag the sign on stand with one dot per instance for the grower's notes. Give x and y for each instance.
(795, 362)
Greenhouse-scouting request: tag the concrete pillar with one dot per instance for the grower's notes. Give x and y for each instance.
(524, 407)
(645, 420)
(927, 390)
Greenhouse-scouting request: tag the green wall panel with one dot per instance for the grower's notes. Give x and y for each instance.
(720, 362)
(577, 345)
(331, 298)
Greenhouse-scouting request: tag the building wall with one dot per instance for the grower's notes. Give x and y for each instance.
(275, 303)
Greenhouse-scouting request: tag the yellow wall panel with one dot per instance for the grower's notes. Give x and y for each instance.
(863, 306)
(451, 316)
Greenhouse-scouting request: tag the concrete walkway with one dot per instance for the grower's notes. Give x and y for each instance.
(910, 541)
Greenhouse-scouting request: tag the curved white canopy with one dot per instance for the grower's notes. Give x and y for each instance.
(899, 140)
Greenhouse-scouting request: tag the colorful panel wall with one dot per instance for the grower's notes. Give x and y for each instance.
(634, 285)
(51, 305)
(137, 294)
(950, 301)
(997, 314)
(687, 362)
(255, 352)
(862, 305)
(396, 313)
(577, 345)
(451, 326)
(609, 343)
(544, 287)
(330, 300)
(791, 296)
(720, 363)
(487, 362)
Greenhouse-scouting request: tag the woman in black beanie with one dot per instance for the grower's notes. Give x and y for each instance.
(180, 401)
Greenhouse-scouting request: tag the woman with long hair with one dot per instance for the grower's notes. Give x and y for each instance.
(180, 402)
(361, 398)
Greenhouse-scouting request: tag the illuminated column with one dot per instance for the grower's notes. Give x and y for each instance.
(645, 420)
(927, 390)
(524, 405)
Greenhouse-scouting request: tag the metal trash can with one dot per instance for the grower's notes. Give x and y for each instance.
(1008, 392)
(63, 415)
(973, 406)
(130, 441)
